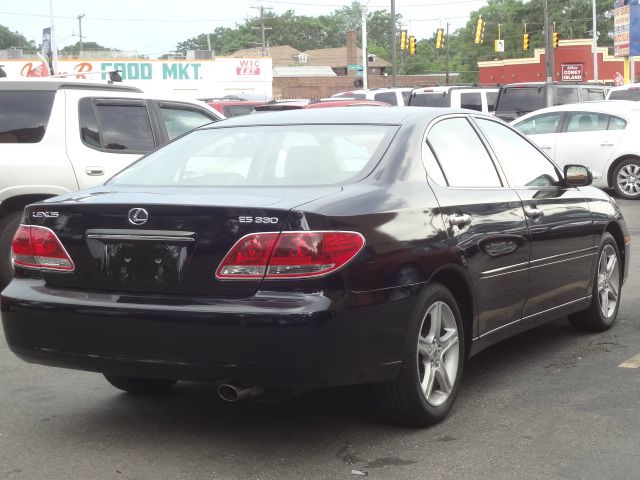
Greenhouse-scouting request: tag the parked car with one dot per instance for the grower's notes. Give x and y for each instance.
(517, 99)
(398, 96)
(233, 106)
(600, 135)
(282, 105)
(60, 135)
(278, 253)
(625, 92)
(472, 98)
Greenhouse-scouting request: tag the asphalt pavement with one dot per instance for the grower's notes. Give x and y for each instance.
(551, 403)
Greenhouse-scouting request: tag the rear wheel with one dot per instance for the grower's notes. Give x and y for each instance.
(8, 226)
(140, 386)
(428, 383)
(626, 178)
(605, 300)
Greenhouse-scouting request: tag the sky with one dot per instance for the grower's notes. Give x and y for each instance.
(156, 27)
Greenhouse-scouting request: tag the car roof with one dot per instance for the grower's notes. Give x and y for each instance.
(351, 115)
(602, 106)
(54, 84)
(443, 88)
(628, 86)
(561, 84)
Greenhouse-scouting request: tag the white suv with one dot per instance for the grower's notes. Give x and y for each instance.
(58, 136)
(472, 98)
(393, 96)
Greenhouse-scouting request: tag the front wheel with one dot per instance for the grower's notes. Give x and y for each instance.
(626, 179)
(140, 386)
(605, 299)
(428, 383)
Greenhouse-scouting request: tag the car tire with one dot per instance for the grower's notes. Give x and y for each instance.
(605, 300)
(433, 361)
(626, 178)
(8, 226)
(140, 386)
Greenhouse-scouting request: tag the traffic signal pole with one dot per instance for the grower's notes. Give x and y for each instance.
(548, 47)
(394, 58)
(446, 58)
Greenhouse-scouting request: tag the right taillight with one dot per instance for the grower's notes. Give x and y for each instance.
(289, 255)
(39, 247)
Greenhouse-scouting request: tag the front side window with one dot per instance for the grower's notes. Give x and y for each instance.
(436, 99)
(587, 122)
(472, 101)
(462, 155)
(179, 121)
(540, 124)
(521, 99)
(522, 163)
(24, 116)
(491, 101)
(566, 95)
(387, 97)
(263, 156)
(594, 94)
(628, 94)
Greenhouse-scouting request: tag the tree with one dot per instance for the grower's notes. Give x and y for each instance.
(10, 39)
(86, 46)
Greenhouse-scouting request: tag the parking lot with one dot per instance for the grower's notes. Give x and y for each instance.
(550, 403)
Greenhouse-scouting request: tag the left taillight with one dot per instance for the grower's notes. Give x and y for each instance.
(39, 247)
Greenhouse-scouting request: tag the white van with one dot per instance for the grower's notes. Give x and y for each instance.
(397, 96)
(472, 98)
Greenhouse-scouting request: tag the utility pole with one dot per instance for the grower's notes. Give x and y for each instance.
(446, 61)
(548, 47)
(394, 59)
(54, 47)
(80, 30)
(263, 30)
(595, 43)
(365, 53)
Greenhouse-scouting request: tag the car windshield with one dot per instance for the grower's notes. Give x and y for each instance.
(438, 99)
(630, 94)
(520, 99)
(262, 156)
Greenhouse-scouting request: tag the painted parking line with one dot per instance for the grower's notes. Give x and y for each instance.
(633, 362)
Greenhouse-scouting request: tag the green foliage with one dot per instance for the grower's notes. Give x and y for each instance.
(86, 46)
(10, 39)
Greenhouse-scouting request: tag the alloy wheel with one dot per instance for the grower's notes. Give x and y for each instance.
(608, 281)
(628, 179)
(438, 353)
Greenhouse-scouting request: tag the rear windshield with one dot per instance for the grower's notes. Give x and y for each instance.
(262, 156)
(520, 100)
(437, 99)
(625, 95)
(24, 115)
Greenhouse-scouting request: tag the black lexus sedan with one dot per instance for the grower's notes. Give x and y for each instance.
(283, 252)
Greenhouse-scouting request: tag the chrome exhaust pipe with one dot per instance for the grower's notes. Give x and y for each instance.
(233, 393)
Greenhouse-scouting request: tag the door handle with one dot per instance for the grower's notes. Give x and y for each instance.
(606, 144)
(94, 171)
(459, 220)
(533, 213)
(546, 147)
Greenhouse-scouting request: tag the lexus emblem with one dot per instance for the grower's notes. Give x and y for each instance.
(138, 216)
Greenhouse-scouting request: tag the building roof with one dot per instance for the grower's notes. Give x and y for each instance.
(337, 57)
(281, 55)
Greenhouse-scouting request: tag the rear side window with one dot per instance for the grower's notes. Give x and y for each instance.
(116, 127)
(238, 110)
(262, 156)
(587, 122)
(181, 120)
(387, 97)
(491, 101)
(462, 155)
(406, 95)
(521, 99)
(593, 94)
(472, 101)
(24, 115)
(617, 123)
(566, 95)
(629, 94)
(437, 99)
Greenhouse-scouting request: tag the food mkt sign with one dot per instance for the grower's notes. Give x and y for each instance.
(572, 72)
(626, 28)
(222, 76)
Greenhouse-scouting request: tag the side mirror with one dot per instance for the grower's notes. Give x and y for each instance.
(577, 176)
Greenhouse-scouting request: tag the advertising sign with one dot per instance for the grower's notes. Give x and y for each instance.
(572, 72)
(621, 28)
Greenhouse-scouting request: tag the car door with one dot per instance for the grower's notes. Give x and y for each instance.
(485, 222)
(105, 135)
(543, 130)
(559, 220)
(586, 140)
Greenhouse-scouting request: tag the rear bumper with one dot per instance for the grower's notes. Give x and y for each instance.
(285, 339)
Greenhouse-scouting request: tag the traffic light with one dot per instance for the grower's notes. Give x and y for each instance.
(479, 30)
(440, 38)
(525, 41)
(412, 45)
(403, 40)
(556, 39)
